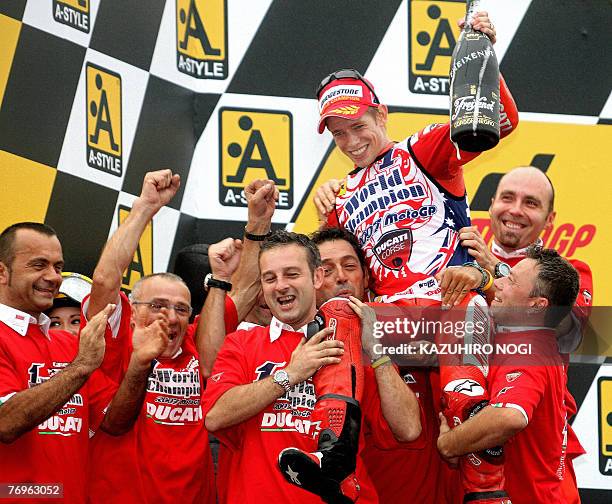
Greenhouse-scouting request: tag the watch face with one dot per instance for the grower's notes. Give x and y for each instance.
(503, 270)
(281, 376)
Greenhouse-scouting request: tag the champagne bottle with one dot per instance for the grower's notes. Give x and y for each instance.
(474, 90)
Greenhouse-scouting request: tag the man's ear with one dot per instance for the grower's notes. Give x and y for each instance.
(5, 274)
(318, 277)
(538, 304)
(550, 220)
(382, 114)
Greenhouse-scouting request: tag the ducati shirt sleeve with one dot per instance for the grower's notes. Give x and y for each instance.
(229, 371)
(9, 382)
(520, 388)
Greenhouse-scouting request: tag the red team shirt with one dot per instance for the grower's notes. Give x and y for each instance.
(55, 452)
(166, 455)
(536, 386)
(253, 446)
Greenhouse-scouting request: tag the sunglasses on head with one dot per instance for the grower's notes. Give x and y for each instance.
(349, 73)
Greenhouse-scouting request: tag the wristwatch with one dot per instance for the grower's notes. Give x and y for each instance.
(281, 377)
(209, 282)
(485, 274)
(502, 269)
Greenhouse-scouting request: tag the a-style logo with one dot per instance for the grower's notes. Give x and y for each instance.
(142, 262)
(604, 401)
(433, 34)
(104, 117)
(255, 144)
(394, 248)
(74, 13)
(201, 38)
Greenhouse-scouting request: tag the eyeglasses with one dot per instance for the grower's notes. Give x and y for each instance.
(349, 73)
(157, 306)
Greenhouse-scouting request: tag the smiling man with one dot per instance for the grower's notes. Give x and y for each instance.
(527, 392)
(52, 398)
(261, 397)
(166, 453)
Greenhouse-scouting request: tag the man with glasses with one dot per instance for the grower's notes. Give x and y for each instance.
(166, 453)
(405, 202)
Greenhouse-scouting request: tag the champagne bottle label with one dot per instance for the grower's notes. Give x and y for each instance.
(474, 90)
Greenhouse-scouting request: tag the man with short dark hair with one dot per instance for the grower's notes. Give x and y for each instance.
(260, 396)
(51, 397)
(527, 392)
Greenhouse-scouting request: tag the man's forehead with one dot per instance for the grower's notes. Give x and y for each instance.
(30, 241)
(286, 256)
(528, 183)
(164, 288)
(335, 250)
(526, 268)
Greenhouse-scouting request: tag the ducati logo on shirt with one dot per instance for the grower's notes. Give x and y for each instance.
(409, 378)
(74, 13)
(510, 377)
(174, 395)
(64, 422)
(394, 248)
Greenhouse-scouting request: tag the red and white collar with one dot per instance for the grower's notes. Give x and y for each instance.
(19, 321)
(514, 254)
(277, 327)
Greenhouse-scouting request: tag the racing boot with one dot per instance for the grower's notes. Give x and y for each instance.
(330, 471)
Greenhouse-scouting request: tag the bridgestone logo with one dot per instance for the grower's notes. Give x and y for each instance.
(337, 91)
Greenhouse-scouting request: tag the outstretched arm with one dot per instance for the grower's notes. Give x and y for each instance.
(158, 188)
(261, 196)
(210, 333)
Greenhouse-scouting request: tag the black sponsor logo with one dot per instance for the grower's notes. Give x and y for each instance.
(73, 13)
(394, 248)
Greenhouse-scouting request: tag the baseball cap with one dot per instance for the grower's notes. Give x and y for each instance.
(73, 290)
(345, 93)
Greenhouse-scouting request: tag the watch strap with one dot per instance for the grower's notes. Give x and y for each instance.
(211, 282)
(256, 237)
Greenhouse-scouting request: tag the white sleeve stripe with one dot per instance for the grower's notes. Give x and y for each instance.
(517, 407)
(5, 398)
(114, 320)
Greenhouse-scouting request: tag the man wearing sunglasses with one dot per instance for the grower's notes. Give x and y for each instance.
(405, 202)
(166, 453)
